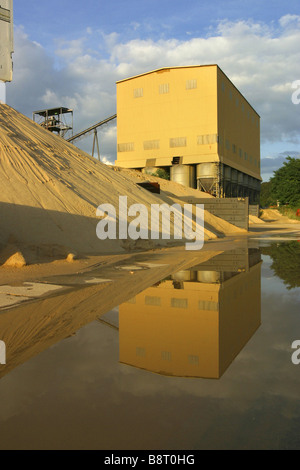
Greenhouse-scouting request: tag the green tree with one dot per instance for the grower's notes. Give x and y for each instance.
(161, 173)
(266, 197)
(285, 184)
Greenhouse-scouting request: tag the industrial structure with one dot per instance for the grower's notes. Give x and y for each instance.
(92, 129)
(58, 120)
(6, 40)
(194, 323)
(194, 123)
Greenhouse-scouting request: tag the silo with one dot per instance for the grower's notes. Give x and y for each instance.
(184, 276)
(183, 174)
(207, 177)
(210, 277)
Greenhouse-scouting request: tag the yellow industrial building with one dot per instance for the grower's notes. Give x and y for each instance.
(194, 123)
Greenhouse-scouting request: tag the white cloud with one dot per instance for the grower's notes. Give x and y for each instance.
(70, 49)
(289, 20)
(261, 60)
(49, 97)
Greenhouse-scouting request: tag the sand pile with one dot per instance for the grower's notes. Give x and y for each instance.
(172, 189)
(273, 215)
(50, 191)
(255, 220)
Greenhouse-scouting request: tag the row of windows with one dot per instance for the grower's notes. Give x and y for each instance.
(207, 305)
(167, 356)
(164, 88)
(177, 142)
(179, 303)
(252, 285)
(238, 101)
(241, 153)
(174, 142)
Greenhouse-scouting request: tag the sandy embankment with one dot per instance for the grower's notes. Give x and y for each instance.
(255, 220)
(274, 216)
(50, 191)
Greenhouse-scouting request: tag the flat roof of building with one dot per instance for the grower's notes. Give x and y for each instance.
(187, 67)
(53, 111)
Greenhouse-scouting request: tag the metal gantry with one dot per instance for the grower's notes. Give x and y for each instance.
(93, 129)
(55, 120)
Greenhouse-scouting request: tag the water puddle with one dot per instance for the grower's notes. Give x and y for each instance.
(197, 359)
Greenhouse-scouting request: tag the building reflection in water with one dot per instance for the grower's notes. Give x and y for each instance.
(194, 323)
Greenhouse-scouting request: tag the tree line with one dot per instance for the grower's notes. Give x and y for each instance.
(284, 186)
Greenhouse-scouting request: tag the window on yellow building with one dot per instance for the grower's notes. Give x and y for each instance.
(138, 92)
(179, 303)
(208, 305)
(150, 300)
(207, 139)
(131, 301)
(194, 360)
(164, 88)
(126, 147)
(191, 84)
(178, 142)
(141, 352)
(166, 356)
(151, 144)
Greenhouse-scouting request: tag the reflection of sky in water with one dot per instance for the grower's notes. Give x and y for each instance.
(77, 394)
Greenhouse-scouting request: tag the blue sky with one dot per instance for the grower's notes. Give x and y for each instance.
(156, 18)
(71, 53)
